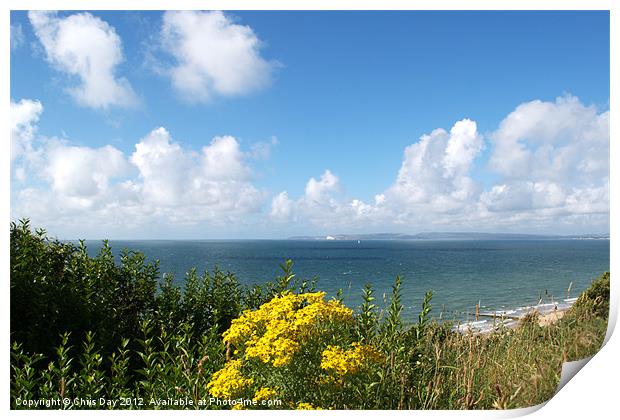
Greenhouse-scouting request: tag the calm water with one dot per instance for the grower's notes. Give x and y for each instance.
(500, 274)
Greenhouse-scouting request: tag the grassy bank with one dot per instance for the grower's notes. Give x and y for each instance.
(91, 333)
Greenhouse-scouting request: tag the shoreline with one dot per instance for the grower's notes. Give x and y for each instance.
(489, 321)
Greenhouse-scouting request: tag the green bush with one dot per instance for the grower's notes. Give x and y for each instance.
(56, 288)
(595, 300)
(173, 366)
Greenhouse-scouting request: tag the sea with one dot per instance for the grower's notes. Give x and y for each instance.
(500, 276)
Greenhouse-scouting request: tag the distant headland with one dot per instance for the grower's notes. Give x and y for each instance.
(447, 236)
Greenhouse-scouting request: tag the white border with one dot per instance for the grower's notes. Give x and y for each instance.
(592, 393)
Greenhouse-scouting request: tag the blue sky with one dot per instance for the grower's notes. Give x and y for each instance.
(335, 96)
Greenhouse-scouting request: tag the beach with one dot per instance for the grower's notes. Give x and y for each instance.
(489, 321)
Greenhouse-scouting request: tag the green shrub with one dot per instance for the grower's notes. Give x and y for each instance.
(56, 288)
(595, 300)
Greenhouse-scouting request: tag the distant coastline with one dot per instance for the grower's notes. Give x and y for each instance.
(447, 236)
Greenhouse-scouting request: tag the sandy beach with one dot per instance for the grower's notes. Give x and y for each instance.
(488, 322)
(551, 317)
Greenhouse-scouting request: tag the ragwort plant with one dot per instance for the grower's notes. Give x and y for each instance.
(298, 348)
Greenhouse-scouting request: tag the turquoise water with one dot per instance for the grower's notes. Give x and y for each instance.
(499, 274)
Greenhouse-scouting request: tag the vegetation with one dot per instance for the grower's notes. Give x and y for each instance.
(93, 333)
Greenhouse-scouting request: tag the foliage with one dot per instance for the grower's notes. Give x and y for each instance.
(207, 301)
(56, 288)
(595, 299)
(296, 336)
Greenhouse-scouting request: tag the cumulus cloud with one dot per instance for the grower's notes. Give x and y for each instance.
(464, 145)
(523, 196)
(186, 185)
(162, 166)
(83, 172)
(213, 55)
(24, 117)
(88, 48)
(324, 204)
(435, 170)
(559, 140)
(281, 207)
(317, 202)
(563, 144)
(318, 191)
(550, 159)
(160, 181)
(222, 159)
(69, 184)
(552, 155)
(432, 186)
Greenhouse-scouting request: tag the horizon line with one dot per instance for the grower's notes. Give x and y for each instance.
(336, 237)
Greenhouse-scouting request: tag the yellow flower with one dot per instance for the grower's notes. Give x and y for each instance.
(274, 332)
(264, 394)
(307, 406)
(342, 362)
(228, 381)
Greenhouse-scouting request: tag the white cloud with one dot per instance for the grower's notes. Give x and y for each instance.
(463, 147)
(565, 187)
(523, 196)
(434, 175)
(361, 209)
(163, 167)
(188, 186)
(83, 172)
(281, 207)
(222, 159)
(88, 48)
(433, 179)
(323, 204)
(161, 182)
(317, 203)
(318, 192)
(24, 117)
(552, 140)
(551, 158)
(553, 155)
(214, 56)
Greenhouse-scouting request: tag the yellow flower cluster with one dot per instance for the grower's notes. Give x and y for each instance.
(341, 361)
(273, 332)
(307, 406)
(264, 394)
(228, 381)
